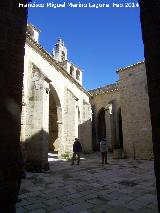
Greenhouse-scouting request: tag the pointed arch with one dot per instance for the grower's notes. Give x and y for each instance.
(55, 120)
(101, 124)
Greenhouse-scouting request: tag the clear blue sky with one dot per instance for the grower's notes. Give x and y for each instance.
(99, 41)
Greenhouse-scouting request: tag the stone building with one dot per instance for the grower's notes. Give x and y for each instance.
(56, 107)
(121, 114)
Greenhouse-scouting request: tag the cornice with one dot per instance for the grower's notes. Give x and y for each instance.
(49, 58)
(29, 24)
(106, 89)
(128, 67)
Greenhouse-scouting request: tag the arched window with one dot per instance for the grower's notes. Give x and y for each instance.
(63, 56)
(77, 74)
(71, 70)
(101, 124)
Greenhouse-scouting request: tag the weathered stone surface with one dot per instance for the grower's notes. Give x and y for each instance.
(126, 113)
(125, 185)
(56, 108)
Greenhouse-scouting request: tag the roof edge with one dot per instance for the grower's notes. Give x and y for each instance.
(124, 68)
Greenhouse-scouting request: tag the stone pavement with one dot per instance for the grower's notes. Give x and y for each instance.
(122, 186)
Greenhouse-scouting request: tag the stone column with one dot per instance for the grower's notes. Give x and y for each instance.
(150, 22)
(108, 128)
(76, 118)
(37, 129)
(12, 40)
(59, 140)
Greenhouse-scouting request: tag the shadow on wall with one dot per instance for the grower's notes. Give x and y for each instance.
(35, 152)
(94, 141)
(85, 136)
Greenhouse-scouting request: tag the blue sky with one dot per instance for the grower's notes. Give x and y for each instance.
(99, 41)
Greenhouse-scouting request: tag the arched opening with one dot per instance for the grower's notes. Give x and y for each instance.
(120, 129)
(53, 126)
(78, 75)
(71, 70)
(54, 118)
(63, 56)
(101, 124)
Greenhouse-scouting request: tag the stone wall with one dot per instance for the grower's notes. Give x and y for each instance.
(68, 101)
(69, 122)
(102, 99)
(85, 128)
(36, 124)
(126, 111)
(137, 136)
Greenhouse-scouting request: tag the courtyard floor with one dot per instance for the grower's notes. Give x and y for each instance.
(122, 186)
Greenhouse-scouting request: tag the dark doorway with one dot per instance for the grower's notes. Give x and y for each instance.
(53, 126)
(101, 124)
(120, 129)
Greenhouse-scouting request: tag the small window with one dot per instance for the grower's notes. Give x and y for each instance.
(71, 70)
(78, 75)
(63, 56)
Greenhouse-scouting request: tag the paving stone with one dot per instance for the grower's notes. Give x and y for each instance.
(34, 207)
(58, 211)
(38, 211)
(118, 209)
(20, 210)
(23, 202)
(147, 210)
(90, 188)
(76, 208)
(101, 208)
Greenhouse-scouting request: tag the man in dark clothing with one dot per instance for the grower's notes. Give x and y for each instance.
(77, 149)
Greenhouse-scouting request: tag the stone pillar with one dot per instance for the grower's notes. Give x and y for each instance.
(37, 130)
(76, 118)
(58, 141)
(150, 22)
(60, 138)
(74, 73)
(108, 129)
(12, 40)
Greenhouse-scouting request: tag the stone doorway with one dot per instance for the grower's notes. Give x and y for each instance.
(101, 124)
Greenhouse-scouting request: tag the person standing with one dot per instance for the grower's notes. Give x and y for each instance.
(77, 149)
(103, 150)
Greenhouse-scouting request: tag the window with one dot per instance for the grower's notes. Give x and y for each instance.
(78, 75)
(71, 70)
(63, 56)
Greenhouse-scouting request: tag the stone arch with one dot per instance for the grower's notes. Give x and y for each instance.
(101, 124)
(55, 120)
